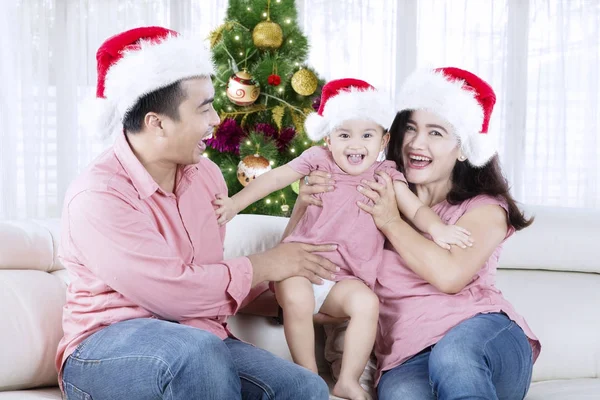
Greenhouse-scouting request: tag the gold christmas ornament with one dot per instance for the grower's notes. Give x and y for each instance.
(304, 82)
(242, 89)
(251, 167)
(267, 35)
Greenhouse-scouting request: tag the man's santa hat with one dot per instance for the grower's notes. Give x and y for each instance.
(346, 99)
(461, 98)
(137, 62)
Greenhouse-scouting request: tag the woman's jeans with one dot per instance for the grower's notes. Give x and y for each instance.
(152, 359)
(485, 357)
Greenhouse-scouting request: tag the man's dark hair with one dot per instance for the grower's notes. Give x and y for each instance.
(163, 101)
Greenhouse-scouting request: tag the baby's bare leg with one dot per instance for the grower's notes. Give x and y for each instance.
(352, 298)
(296, 298)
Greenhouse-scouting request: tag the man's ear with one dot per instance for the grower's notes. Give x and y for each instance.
(153, 122)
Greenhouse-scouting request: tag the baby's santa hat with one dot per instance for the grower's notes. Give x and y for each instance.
(463, 99)
(346, 99)
(137, 62)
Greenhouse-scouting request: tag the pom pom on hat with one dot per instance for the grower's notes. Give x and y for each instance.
(346, 99)
(461, 98)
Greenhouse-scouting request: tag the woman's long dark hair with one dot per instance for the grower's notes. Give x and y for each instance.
(467, 181)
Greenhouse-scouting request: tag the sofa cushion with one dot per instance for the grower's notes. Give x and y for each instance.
(560, 239)
(562, 310)
(574, 389)
(31, 308)
(249, 234)
(35, 394)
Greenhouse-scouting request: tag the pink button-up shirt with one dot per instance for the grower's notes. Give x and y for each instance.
(135, 251)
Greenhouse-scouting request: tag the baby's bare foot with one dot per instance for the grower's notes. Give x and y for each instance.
(350, 389)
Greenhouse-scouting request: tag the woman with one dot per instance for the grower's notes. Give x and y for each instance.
(445, 331)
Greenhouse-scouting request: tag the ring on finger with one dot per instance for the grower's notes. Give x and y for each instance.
(306, 180)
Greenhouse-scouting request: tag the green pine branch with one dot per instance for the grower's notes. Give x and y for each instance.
(233, 49)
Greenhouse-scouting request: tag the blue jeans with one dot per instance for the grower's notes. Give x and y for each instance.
(153, 359)
(485, 357)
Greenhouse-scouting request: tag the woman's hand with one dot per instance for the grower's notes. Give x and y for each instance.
(384, 209)
(316, 182)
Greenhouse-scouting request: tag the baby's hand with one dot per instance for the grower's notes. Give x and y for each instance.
(446, 235)
(226, 209)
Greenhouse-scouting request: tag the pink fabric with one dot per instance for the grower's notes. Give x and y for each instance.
(135, 251)
(413, 314)
(340, 221)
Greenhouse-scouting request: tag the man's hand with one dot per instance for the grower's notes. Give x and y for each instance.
(316, 182)
(293, 259)
(226, 210)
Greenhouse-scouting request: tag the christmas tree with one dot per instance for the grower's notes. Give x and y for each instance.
(263, 93)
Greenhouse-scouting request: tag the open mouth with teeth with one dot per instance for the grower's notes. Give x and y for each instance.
(207, 136)
(202, 142)
(418, 161)
(355, 159)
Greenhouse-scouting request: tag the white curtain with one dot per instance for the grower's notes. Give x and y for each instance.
(541, 56)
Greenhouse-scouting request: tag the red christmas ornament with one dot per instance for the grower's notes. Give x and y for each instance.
(274, 80)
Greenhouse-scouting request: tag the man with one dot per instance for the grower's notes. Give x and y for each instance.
(150, 291)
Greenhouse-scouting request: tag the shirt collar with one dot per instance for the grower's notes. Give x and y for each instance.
(143, 182)
(141, 179)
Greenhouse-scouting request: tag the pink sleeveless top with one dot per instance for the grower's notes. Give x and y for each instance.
(413, 314)
(340, 221)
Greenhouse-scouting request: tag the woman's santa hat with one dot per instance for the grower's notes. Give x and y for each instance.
(140, 61)
(461, 98)
(347, 99)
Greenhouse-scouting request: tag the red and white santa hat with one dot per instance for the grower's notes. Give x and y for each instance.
(346, 99)
(137, 62)
(461, 98)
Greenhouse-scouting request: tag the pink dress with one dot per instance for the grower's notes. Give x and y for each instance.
(413, 314)
(340, 221)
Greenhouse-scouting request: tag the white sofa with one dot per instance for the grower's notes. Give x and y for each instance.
(550, 272)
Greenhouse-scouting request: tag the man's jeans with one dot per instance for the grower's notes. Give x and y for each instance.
(485, 357)
(146, 359)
